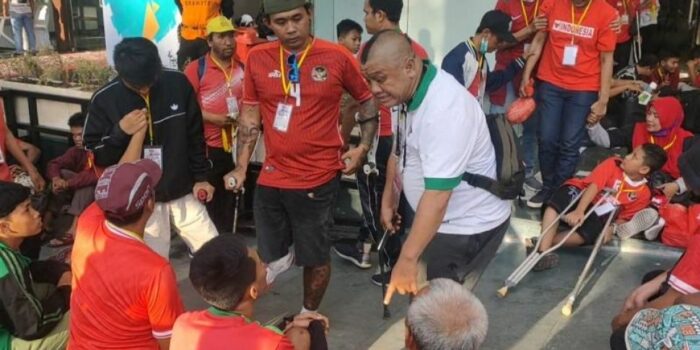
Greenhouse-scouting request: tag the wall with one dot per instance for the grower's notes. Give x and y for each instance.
(437, 24)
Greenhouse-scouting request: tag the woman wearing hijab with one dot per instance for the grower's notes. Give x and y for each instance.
(662, 126)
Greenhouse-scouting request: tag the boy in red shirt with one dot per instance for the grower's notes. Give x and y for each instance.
(668, 74)
(627, 177)
(124, 294)
(575, 56)
(231, 277)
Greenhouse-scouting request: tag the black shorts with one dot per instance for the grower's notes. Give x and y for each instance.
(591, 227)
(302, 218)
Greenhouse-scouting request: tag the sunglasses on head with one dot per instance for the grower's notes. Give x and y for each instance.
(293, 69)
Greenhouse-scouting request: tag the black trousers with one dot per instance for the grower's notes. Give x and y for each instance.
(622, 55)
(221, 207)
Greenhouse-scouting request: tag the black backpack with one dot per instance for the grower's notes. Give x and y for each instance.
(510, 173)
(691, 106)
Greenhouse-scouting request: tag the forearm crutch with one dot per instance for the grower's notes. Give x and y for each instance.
(534, 257)
(567, 309)
(381, 251)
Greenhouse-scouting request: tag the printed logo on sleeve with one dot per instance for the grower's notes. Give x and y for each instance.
(573, 29)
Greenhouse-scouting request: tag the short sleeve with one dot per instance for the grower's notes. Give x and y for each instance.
(546, 10)
(446, 143)
(685, 276)
(353, 80)
(164, 303)
(192, 75)
(607, 38)
(250, 94)
(601, 173)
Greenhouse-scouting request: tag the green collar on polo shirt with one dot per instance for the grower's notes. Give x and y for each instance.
(426, 79)
(224, 313)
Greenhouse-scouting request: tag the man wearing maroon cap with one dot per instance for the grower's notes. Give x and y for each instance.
(124, 294)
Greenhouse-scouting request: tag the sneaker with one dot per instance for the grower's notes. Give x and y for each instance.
(350, 252)
(378, 277)
(532, 184)
(277, 267)
(547, 262)
(536, 201)
(641, 221)
(653, 232)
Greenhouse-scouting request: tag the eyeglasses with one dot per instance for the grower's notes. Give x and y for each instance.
(293, 69)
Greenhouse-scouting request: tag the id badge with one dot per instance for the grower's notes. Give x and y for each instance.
(608, 206)
(2, 157)
(154, 153)
(570, 54)
(625, 19)
(282, 117)
(527, 48)
(232, 105)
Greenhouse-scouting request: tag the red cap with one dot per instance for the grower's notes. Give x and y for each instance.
(124, 189)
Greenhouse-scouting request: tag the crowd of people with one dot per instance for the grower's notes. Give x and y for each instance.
(163, 150)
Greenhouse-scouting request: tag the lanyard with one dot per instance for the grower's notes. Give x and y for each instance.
(534, 14)
(623, 190)
(481, 57)
(287, 86)
(228, 145)
(580, 20)
(147, 99)
(667, 147)
(228, 75)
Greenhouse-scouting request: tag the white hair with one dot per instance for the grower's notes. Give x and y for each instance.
(447, 317)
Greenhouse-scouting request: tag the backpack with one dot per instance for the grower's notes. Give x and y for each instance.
(510, 173)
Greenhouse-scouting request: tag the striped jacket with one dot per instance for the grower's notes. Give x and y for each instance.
(24, 314)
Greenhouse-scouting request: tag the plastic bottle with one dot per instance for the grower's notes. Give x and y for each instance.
(647, 94)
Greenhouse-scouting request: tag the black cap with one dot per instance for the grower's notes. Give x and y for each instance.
(499, 24)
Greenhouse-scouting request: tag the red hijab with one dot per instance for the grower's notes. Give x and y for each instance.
(671, 135)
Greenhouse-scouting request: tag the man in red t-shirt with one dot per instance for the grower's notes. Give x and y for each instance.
(217, 79)
(526, 22)
(575, 56)
(124, 294)
(9, 144)
(293, 90)
(627, 11)
(627, 178)
(230, 277)
(667, 75)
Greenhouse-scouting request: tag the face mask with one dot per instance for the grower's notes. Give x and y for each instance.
(484, 47)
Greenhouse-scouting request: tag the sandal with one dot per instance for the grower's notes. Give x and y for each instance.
(61, 241)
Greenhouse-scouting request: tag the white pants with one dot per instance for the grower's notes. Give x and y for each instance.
(189, 217)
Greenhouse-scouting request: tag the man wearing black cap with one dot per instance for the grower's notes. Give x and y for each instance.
(467, 61)
(126, 295)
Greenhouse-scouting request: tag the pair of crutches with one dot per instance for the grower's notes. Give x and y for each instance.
(529, 263)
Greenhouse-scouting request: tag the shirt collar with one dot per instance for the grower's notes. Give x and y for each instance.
(426, 79)
(118, 231)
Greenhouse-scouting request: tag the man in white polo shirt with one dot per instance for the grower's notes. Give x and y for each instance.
(441, 135)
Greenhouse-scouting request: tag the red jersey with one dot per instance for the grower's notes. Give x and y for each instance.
(663, 78)
(214, 329)
(632, 197)
(385, 123)
(124, 294)
(685, 276)
(521, 13)
(4, 168)
(308, 153)
(212, 90)
(627, 10)
(589, 30)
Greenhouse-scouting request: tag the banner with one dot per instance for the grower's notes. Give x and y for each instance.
(156, 20)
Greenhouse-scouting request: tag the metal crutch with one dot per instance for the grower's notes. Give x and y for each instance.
(232, 183)
(567, 309)
(534, 257)
(381, 251)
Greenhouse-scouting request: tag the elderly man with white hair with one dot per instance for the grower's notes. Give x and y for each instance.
(433, 324)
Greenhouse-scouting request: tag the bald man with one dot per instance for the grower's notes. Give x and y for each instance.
(441, 134)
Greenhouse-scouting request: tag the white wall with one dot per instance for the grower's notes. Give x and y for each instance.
(437, 24)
